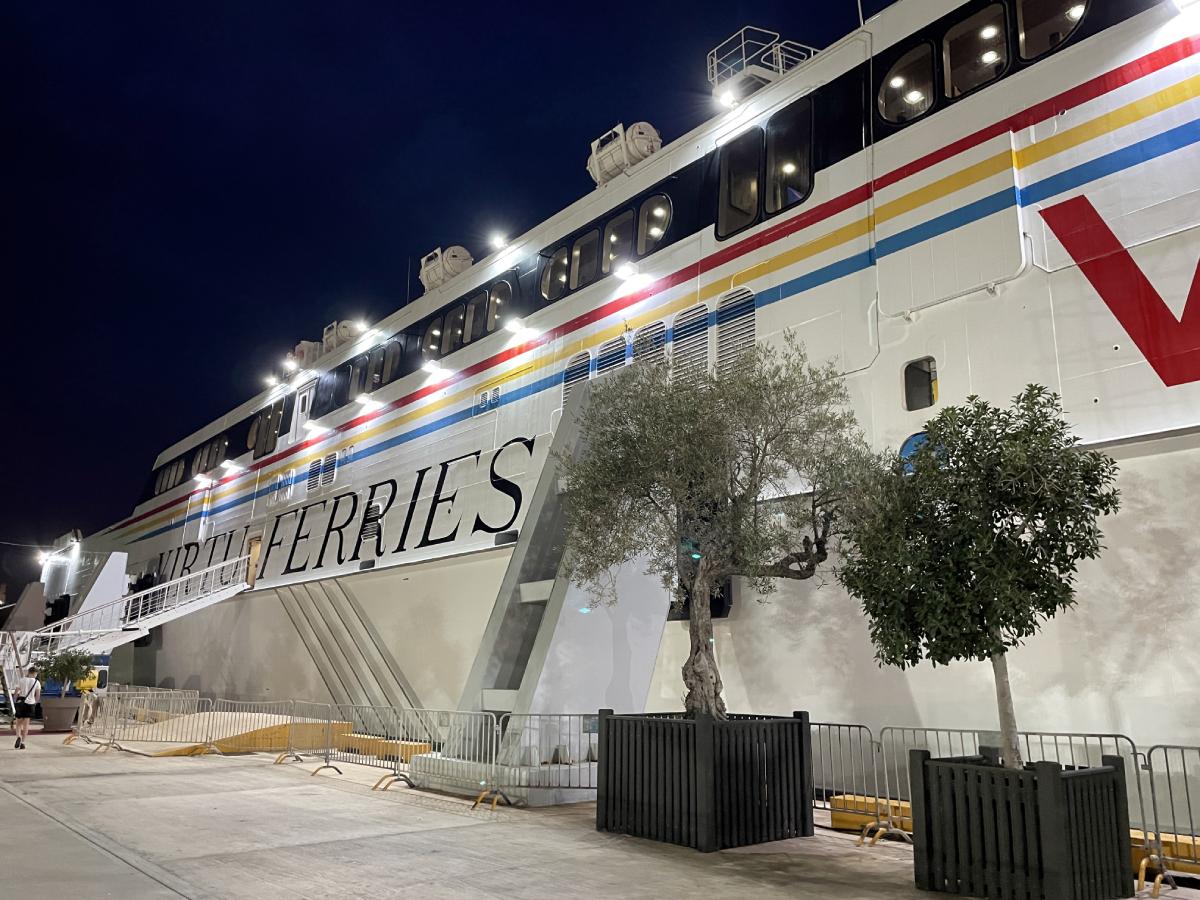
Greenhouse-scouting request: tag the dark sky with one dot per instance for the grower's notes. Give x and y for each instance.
(191, 188)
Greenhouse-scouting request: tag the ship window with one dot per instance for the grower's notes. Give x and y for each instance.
(975, 51)
(452, 338)
(789, 156)
(738, 207)
(654, 219)
(1044, 24)
(499, 302)
(341, 386)
(358, 377)
(583, 259)
(252, 434)
(920, 383)
(554, 275)
(432, 339)
(618, 241)
(177, 473)
(392, 357)
(475, 325)
(375, 369)
(907, 90)
(197, 462)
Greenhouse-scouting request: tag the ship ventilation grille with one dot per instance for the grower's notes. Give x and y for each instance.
(611, 355)
(578, 368)
(314, 475)
(735, 328)
(329, 469)
(372, 524)
(689, 343)
(650, 344)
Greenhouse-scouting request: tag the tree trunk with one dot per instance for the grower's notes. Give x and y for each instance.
(1010, 748)
(700, 675)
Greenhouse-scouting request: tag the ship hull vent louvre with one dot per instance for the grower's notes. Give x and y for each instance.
(372, 523)
(314, 475)
(620, 149)
(689, 343)
(329, 467)
(650, 344)
(611, 355)
(735, 328)
(578, 368)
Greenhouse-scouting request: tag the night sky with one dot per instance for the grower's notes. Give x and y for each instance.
(191, 188)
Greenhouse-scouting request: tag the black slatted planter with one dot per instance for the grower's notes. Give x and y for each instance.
(702, 783)
(1020, 834)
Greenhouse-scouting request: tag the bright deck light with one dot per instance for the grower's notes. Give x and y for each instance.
(203, 482)
(498, 241)
(290, 364)
(314, 429)
(271, 381)
(230, 466)
(43, 558)
(625, 271)
(514, 325)
(360, 326)
(432, 367)
(727, 98)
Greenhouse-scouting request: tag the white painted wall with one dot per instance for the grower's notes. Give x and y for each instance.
(431, 617)
(245, 648)
(602, 658)
(1124, 660)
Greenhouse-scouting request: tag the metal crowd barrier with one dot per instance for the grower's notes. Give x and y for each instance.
(555, 752)
(1173, 773)
(845, 778)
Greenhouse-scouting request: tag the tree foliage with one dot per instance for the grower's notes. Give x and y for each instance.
(967, 547)
(706, 478)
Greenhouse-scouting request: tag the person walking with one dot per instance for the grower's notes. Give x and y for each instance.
(28, 694)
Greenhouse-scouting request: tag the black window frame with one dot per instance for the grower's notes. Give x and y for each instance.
(452, 331)
(641, 233)
(609, 265)
(723, 154)
(546, 273)
(807, 101)
(475, 323)
(935, 84)
(1010, 50)
(1020, 59)
(493, 312)
(578, 248)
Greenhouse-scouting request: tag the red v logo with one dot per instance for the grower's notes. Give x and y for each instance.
(1171, 347)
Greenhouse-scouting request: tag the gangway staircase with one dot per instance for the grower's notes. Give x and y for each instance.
(120, 621)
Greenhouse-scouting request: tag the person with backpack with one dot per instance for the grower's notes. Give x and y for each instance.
(28, 694)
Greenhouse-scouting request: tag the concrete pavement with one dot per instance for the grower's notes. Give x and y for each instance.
(120, 825)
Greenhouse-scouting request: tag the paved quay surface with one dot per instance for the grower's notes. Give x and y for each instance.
(125, 826)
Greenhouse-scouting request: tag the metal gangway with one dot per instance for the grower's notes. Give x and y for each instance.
(120, 621)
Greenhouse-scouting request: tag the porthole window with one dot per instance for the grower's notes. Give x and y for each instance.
(920, 383)
(475, 325)
(584, 259)
(499, 302)
(452, 334)
(618, 241)
(554, 275)
(789, 156)
(738, 206)
(432, 340)
(907, 89)
(975, 51)
(1044, 24)
(654, 218)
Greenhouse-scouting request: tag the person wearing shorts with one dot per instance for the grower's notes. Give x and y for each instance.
(28, 694)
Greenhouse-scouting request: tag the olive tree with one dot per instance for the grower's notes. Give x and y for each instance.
(706, 478)
(965, 548)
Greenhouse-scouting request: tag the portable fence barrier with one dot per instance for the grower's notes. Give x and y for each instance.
(547, 758)
(845, 780)
(1173, 774)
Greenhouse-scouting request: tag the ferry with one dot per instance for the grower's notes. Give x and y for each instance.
(954, 199)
